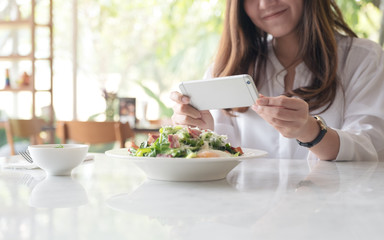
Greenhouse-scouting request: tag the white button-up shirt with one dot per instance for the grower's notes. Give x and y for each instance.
(357, 113)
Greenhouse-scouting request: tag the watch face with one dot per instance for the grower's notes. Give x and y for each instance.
(321, 122)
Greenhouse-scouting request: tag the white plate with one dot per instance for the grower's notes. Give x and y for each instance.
(186, 169)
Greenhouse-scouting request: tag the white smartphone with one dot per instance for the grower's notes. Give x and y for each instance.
(221, 93)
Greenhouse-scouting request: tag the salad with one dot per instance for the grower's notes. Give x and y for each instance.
(185, 142)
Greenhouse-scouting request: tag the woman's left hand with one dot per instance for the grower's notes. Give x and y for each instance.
(290, 116)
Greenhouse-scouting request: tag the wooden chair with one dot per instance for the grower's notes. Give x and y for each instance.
(94, 132)
(23, 128)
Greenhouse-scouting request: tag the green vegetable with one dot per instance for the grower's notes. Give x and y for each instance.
(59, 146)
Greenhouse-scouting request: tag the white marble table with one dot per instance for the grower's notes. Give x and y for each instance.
(260, 199)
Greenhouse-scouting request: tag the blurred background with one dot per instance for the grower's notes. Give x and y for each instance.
(74, 59)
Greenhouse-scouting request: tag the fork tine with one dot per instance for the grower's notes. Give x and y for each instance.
(26, 156)
(29, 156)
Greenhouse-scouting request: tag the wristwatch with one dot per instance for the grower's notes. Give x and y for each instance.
(323, 131)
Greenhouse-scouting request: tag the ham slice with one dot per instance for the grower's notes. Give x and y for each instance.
(173, 141)
(195, 133)
(152, 138)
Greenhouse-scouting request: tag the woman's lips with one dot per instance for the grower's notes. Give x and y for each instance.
(273, 14)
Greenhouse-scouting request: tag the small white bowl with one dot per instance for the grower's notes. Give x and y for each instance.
(58, 161)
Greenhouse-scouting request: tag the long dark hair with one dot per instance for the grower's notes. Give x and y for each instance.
(243, 45)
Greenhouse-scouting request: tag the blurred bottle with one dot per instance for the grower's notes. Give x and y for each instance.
(7, 80)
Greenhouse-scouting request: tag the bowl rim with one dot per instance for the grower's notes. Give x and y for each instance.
(54, 146)
(249, 153)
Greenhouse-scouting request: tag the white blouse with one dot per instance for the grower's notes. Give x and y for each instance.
(357, 113)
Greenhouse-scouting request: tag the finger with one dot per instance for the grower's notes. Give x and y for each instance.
(279, 123)
(187, 120)
(186, 109)
(286, 132)
(207, 118)
(280, 113)
(179, 98)
(281, 101)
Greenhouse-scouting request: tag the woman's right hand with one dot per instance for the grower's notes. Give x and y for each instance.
(185, 114)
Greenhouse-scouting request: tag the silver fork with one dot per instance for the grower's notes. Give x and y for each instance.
(26, 156)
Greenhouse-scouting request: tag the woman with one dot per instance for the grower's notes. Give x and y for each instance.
(305, 61)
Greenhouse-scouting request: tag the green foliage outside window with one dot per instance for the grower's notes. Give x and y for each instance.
(363, 16)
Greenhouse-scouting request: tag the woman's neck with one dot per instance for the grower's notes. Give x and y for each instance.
(286, 49)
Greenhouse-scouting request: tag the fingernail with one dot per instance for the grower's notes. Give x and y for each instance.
(185, 100)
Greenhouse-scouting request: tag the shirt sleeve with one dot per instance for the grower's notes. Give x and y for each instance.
(362, 132)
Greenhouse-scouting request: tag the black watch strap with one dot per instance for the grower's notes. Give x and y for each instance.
(323, 131)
